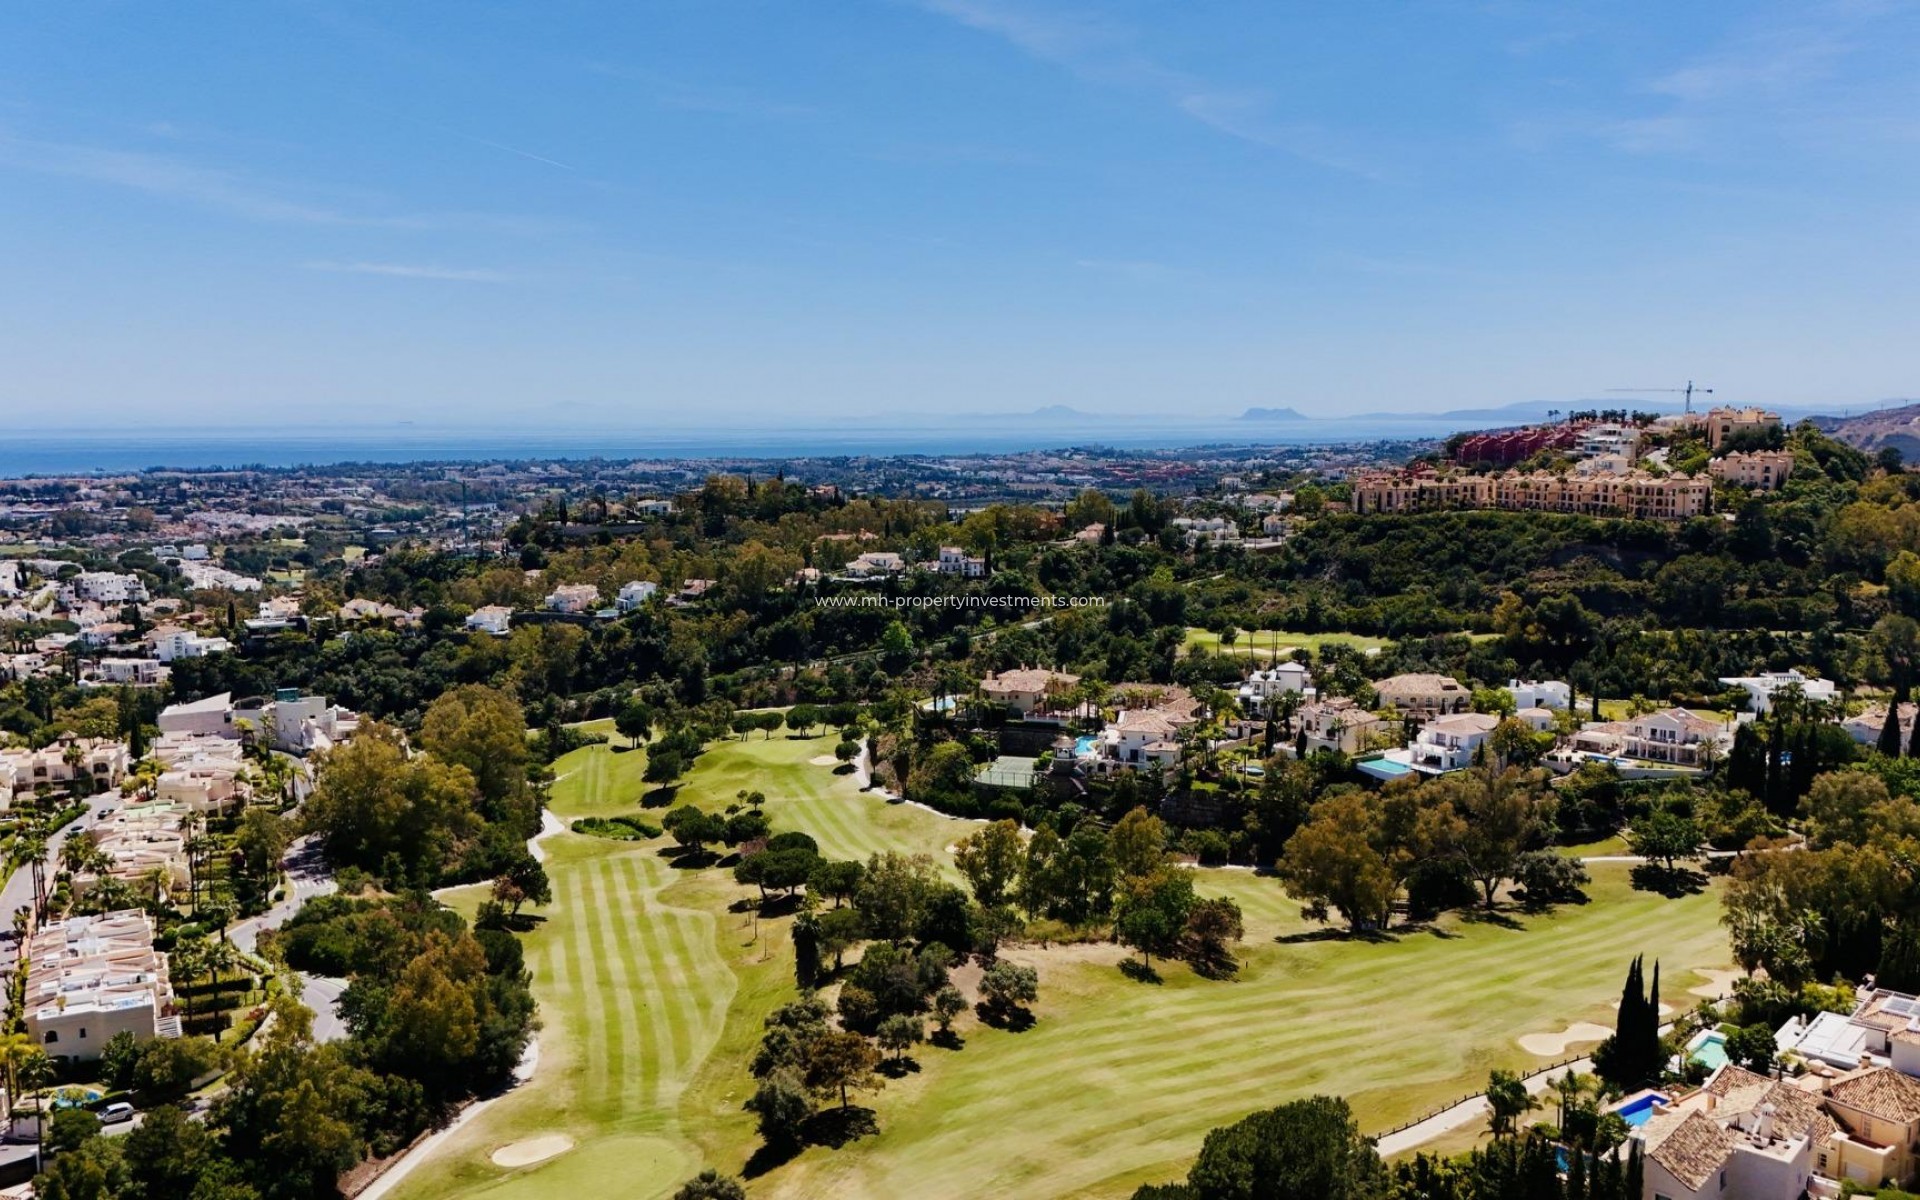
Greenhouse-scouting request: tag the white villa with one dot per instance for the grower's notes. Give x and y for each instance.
(1279, 679)
(635, 593)
(875, 564)
(1338, 723)
(1207, 531)
(1538, 693)
(955, 561)
(1449, 743)
(1674, 736)
(1761, 688)
(174, 642)
(496, 619)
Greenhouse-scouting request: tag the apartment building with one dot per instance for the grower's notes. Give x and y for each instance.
(1637, 494)
(1763, 469)
(90, 978)
(1722, 423)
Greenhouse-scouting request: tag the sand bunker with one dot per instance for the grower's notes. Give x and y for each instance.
(1548, 1045)
(532, 1150)
(824, 760)
(1718, 984)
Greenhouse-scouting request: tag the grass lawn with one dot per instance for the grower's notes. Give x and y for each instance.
(1621, 710)
(652, 994)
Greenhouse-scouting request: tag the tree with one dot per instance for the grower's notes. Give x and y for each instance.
(711, 1185)
(900, 1032)
(118, 1058)
(1008, 987)
(634, 722)
(484, 730)
(990, 858)
(665, 766)
(1330, 863)
(837, 1063)
(1752, 1046)
(1138, 845)
(1665, 837)
(70, 1127)
(1632, 1056)
(942, 778)
(94, 1171)
(694, 828)
(948, 1003)
(838, 929)
(893, 893)
(1151, 914)
(1309, 1149)
(834, 879)
(783, 1106)
(378, 808)
(1507, 1101)
(1837, 808)
(1496, 817)
(1213, 927)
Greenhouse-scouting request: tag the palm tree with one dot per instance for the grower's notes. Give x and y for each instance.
(34, 1072)
(14, 1048)
(33, 844)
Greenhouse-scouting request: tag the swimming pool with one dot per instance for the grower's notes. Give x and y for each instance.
(1639, 1110)
(1083, 745)
(1710, 1049)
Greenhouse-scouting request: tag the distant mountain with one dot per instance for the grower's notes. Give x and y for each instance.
(1895, 427)
(1271, 414)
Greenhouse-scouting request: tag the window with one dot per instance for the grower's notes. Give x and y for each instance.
(53, 1035)
(83, 1031)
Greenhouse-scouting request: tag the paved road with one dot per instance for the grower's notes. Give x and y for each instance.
(18, 890)
(307, 873)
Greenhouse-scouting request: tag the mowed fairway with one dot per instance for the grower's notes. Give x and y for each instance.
(643, 974)
(652, 993)
(1118, 1082)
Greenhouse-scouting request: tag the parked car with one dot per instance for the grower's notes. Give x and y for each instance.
(116, 1112)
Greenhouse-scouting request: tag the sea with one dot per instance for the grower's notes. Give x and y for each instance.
(28, 453)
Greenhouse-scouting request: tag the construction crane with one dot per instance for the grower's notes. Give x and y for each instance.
(1687, 391)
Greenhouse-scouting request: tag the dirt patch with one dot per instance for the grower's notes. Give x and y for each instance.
(532, 1150)
(1552, 1045)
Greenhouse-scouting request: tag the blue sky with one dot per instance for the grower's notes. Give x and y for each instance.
(699, 211)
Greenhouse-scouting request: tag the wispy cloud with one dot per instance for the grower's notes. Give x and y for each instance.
(234, 192)
(1102, 52)
(162, 175)
(707, 98)
(1138, 269)
(411, 271)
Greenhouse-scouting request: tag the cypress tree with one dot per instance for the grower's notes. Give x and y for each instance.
(1889, 743)
(1913, 743)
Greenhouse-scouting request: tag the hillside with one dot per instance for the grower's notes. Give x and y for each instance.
(1896, 427)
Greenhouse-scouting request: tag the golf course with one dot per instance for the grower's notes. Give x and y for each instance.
(652, 988)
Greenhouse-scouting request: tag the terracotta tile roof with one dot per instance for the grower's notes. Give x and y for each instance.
(1691, 1147)
(1027, 679)
(1881, 1092)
